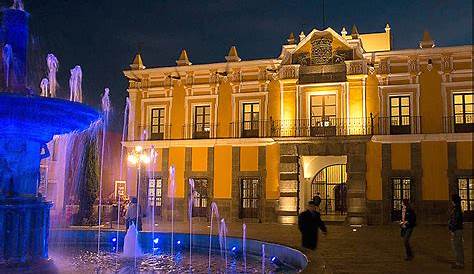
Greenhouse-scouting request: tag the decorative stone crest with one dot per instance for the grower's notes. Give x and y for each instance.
(321, 51)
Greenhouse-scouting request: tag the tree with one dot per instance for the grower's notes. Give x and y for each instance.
(90, 185)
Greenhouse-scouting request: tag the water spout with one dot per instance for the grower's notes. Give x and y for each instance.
(172, 188)
(263, 258)
(244, 246)
(18, 5)
(53, 64)
(7, 59)
(131, 246)
(223, 240)
(190, 216)
(44, 86)
(75, 84)
(214, 212)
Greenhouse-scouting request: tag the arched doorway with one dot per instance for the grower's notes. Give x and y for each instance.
(330, 184)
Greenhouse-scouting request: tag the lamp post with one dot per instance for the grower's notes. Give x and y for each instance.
(137, 157)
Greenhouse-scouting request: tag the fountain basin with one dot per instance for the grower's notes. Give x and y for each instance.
(289, 260)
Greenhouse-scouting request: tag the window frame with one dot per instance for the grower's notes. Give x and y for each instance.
(160, 135)
(468, 200)
(201, 129)
(464, 125)
(396, 208)
(254, 129)
(252, 208)
(154, 200)
(404, 121)
(200, 197)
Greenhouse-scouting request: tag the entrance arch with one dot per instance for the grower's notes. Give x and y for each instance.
(330, 183)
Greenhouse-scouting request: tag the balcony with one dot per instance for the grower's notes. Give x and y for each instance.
(159, 132)
(463, 123)
(199, 131)
(396, 125)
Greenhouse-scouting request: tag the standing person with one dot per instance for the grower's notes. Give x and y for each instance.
(309, 223)
(455, 226)
(131, 216)
(407, 224)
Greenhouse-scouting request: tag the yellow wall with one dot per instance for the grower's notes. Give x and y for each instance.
(434, 160)
(372, 96)
(249, 159)
(224, 110)
(273, 171)
(375, 41)
(401, 156)
(176, 159)
(289, 101)
(374, 171)
(159, 159)
(199, 159)
(177, 112)
(223, 172)
(355, 102)
(274, 100)
(431, 102)
(464, 155)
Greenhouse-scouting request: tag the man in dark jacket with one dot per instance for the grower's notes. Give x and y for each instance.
(309, 223)
(455, 226)
(407, 224)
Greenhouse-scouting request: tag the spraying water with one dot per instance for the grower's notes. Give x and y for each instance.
(244, 245)
(106, 111)
(172, 193)
(44, 86)
(7, 59)
(223, 240)
(214, 212)
(75, 84)
(263, 258)
(190, 216)
(131, 248)
(153, 160)
(18, 5)
(53, 64)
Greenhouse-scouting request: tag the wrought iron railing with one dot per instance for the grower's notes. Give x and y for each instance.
(199, 131)
(395, 125)
(151, 133)
(461, 123)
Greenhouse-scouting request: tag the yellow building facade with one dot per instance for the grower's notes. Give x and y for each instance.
(336, 115)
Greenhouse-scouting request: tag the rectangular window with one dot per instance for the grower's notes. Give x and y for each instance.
(400, 119)
(401, 188)
(155, 194)
(466, 192)
(157, 123)
(250, 119)
(249, 197)
(200, 199)
(323, 115)
(463, 112)
(202, 122)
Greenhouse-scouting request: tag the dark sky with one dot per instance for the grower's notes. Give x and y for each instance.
(102, 35)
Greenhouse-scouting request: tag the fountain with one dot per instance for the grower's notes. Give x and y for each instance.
(27, 123)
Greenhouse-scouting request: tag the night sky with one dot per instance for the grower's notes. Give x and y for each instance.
(103, 35)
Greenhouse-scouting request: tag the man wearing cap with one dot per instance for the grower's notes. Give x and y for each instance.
(309, 223)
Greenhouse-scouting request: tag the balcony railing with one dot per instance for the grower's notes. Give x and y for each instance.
(396, 125)
(316, 127)
(459, 123)
(199, 131)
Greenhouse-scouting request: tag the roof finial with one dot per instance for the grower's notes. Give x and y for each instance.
(232, 56)
(183, 59)
(427, 41)
(291, 39)
(302, 36)
(344, 32)
(387, 28)
(354, 32)
(137, 62)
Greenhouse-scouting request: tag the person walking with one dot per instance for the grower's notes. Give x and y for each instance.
(455, 226)
(309, 224)
(407, 224)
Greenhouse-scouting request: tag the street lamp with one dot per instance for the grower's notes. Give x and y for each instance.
(137, 157)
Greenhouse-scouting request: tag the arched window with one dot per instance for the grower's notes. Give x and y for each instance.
(330, 185)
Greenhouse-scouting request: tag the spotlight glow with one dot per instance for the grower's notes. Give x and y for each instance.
(114, 239)
(234, 248)
(178, 242)
(156, 240)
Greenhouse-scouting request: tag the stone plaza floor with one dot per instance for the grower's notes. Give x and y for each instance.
(370, 249)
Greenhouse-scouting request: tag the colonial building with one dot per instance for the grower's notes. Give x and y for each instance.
(343, 116)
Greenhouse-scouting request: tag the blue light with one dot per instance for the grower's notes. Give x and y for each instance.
(273, 259)
(178, 242)
(114, 239)
(234, 248)
(156, 240)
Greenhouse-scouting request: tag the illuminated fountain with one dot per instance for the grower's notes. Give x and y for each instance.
(27, 123)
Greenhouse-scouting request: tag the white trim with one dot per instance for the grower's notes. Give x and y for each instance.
(235, 142)
(416, 138)
(250, 94)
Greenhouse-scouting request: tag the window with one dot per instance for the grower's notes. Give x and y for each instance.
(466, 192)
(401, 188)
(463, 112)
(250, 119)
(330, 185)
(155, 194)
(157, 123)
(400, 115)
(249, 198)
(323, 115)
(202, 122)
(200, 199)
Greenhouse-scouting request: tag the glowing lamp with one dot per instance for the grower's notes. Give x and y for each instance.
(138, 149)
(132, 159)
